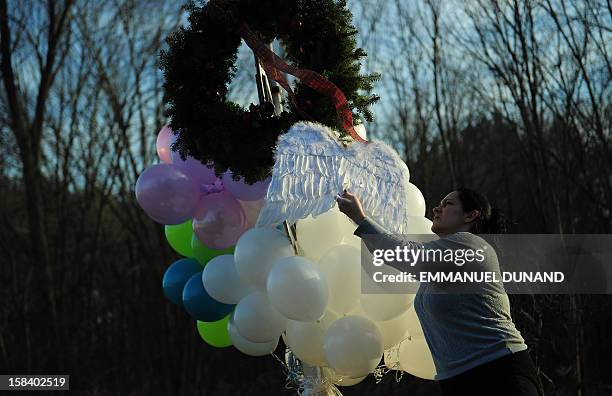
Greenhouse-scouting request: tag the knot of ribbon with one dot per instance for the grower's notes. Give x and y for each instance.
(215, 187)
(275, 66)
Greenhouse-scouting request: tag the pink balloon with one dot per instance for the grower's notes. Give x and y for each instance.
(251, 211)
(201, 173)
(165, 138)
(167, 194)
(243, 191)
(219, 220)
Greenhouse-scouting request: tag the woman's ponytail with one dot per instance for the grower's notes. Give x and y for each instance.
(490, 221)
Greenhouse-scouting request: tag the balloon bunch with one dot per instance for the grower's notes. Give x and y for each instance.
(314, 301)
(357, 328)
(252, 294)
(179, 190)
(204, 215)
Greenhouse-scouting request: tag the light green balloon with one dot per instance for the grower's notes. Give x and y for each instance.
(179, 237)
(215, 333)
(203, 253)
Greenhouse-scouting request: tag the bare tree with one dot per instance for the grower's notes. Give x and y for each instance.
(27, 123)
(83, 102)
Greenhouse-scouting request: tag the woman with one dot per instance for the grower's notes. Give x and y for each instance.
(476, 348)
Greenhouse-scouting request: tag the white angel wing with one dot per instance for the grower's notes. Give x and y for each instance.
(376, 174)
(311, 167)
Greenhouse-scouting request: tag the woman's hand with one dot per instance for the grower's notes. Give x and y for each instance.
(351, 206)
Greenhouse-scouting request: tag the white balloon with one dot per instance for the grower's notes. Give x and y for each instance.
(413, 357)
(257, 320)
(319, 234)
(297, 289)
(256, 251)
(415, 201)
(413, 324)
(385, 306)
(394, 330)
(352, 240)
(341, 266)
(418, 225)
(222, 282)
(306, 339)
(348, 230)
(357, 311)
(353, 346)
(346, 225)
(247, 347)
(284, 336)
(348, 381)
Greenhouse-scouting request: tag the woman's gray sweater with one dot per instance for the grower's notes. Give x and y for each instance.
(462, 330)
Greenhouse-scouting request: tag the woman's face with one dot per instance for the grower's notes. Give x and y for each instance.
(449, 216)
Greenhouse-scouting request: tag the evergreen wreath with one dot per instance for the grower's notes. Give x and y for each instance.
(200, 63)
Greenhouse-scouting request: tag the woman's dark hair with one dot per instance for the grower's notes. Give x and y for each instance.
(490, 221)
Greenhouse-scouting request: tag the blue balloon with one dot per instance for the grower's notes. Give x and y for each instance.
(176, 276)
(200, 305)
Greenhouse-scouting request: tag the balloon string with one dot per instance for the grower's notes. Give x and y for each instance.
(274, 65)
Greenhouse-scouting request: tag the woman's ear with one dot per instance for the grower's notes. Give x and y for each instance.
(472, 215)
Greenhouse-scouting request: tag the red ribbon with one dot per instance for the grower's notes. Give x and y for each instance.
(275, 65)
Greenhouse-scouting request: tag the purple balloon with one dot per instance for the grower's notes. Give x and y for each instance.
(167, 194)
(194, 168)
(165, 138)
(243, 191)
(219, 220)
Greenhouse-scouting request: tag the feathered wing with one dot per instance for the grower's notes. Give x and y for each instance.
(311, 167)
(379, 178)
(305, 174)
